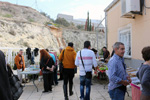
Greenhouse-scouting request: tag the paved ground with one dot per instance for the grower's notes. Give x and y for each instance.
(97, 91)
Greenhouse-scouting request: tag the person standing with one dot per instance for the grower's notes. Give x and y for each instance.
(144, 74)
(54, 57)
(60, 66)
(85, 60)
(56, 67)
(20, 63)
(5, 90)
(118, 77)
(68, 56)
(106, 53)
(47, 67)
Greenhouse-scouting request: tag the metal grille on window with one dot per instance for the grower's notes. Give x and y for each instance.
(125, 37)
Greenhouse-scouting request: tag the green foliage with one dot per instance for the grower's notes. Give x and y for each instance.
(48, 23)
(80, 26)
(46, 15)
(88, 21)
(31, 20)
(72, 24)
(101, 52)
(8, 15)
(56, 25)
(62, 21)
(52, 20)
(89, 24)
(90, 28)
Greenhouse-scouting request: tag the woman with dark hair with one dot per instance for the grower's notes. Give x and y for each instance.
(144, 74)
(47, 66)
(106, 53)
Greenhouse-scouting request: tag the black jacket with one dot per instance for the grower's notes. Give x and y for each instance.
(44, 65)
(5, 93)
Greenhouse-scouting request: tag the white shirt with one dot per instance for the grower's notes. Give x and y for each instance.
(89, 60)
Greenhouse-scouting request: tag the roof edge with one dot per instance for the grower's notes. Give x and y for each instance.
(110, 5)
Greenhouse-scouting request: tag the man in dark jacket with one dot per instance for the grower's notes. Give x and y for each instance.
(5, 93)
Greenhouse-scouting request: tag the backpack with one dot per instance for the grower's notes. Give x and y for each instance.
(15, 85)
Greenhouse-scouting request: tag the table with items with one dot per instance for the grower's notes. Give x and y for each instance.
(101, 70)
(32, 70)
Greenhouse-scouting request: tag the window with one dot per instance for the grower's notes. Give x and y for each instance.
(125, 37)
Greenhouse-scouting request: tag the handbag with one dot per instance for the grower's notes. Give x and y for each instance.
(43, 67)
(15, 85)
(88, 74)
(15, 67)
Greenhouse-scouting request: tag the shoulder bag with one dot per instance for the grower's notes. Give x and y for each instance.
(88, 74)
(16, 87)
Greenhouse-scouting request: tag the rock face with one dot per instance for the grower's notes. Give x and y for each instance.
(79, 37)
(21, 13)
(18, 34)
(22, 27)
(21, 34)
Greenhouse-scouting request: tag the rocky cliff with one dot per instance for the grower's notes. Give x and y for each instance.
(18, 34)
(21, 13)
(22, 26)
(78, 38)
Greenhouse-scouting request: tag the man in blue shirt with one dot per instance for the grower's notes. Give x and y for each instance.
(118, 77)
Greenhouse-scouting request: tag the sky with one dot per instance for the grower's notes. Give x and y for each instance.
(77, 8)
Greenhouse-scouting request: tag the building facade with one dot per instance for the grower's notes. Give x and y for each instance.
(133, 32)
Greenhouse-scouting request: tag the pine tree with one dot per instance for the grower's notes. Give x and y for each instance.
(90, 25)
(88, 21)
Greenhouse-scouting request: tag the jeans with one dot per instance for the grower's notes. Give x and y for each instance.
(117, 94)
(85, 82)
(55, 75)
(19, 74)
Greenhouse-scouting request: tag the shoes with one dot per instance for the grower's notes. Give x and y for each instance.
(66, 98)
(50, 90)
(65, 92)
(45, 92)
(70, 89)
(81, 99)
(71, 93)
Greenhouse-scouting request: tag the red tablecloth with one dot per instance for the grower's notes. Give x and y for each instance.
(136, 92)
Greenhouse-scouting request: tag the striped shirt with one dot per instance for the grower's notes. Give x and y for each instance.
(89, 60)
(116, 72)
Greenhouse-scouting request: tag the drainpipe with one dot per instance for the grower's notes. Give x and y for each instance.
(106, 44)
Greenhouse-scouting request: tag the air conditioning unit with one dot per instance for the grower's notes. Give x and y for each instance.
(130, 8)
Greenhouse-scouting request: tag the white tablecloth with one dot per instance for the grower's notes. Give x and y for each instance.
(30, 71)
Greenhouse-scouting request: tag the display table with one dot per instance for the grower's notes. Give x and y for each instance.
(33, 72)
